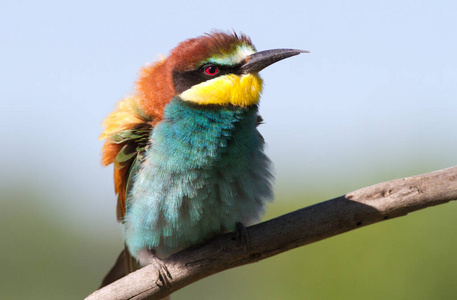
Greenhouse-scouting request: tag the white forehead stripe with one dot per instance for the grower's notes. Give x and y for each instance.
(233, 58)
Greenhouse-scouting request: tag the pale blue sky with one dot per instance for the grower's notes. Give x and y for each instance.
(376, 97)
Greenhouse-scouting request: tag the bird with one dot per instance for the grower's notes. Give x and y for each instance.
(189, 161)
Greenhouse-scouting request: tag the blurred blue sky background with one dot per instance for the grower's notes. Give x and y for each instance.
(376, 98)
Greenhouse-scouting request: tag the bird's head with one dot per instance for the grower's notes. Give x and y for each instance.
(214, 69)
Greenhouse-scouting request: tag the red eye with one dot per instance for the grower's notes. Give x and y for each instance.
(211, 70)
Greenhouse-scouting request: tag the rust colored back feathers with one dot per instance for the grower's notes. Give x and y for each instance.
(155, 88)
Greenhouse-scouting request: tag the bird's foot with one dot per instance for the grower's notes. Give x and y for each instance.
(242, 236)
(164, 275)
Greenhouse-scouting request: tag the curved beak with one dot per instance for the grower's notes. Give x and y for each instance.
(260, 60)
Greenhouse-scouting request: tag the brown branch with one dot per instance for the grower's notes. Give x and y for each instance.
(320, 221)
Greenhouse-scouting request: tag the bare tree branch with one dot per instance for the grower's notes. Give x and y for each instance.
(317, 222)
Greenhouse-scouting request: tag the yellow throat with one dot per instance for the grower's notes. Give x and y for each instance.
(240, 90)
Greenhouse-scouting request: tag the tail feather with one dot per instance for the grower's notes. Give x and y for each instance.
(124, 265)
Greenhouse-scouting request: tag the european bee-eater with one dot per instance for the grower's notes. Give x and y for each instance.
(189, 162)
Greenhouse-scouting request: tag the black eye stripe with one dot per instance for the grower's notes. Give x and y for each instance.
(185, 80)
(223, 69)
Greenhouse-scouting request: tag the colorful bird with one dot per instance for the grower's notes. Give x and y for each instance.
(189, 162)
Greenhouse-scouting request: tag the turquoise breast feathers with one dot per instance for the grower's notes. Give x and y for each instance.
(204, 171)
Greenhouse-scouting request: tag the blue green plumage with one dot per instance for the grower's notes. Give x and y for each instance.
(204, 171)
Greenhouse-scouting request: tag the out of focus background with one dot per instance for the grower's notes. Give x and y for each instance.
(376, 99)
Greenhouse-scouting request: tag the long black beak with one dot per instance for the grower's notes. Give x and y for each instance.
(260, 60)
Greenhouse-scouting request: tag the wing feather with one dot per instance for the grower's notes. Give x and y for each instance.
(127, 132)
